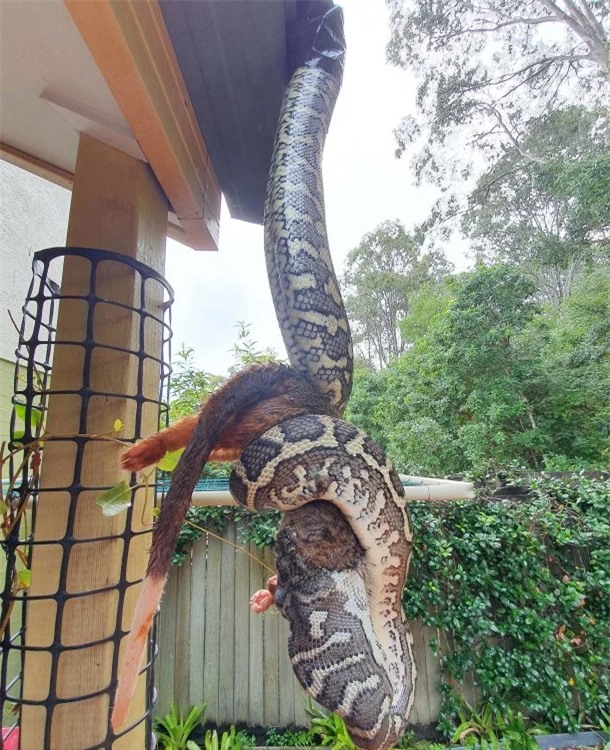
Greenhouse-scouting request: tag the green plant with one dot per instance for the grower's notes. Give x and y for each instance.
(517, 733)
(245, 740)
(491, 728)
(477, 728)
(524, 589)
(409, 741)
(287, 738)
(230, 740)
(330, 728)
(255, 528)
(604, 725)
(174, 729)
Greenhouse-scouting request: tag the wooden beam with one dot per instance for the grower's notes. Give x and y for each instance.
(36, 166)
(117, 205)
(132, 49)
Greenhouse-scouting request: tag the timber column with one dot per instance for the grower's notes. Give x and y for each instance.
(86, 571)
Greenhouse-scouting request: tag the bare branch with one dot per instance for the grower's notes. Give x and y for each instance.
(511, 137)
(497, 26)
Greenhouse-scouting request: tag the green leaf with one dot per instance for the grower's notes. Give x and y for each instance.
(25, 578)
(115, 500)
(117, 426)
(190, 745)
(170, 460)
(35, 414)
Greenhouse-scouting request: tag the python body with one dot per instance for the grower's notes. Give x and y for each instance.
(349, 644)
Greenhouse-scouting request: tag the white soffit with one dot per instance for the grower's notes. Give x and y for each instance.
(50, 87)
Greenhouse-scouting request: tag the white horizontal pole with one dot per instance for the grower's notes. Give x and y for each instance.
(418, 489)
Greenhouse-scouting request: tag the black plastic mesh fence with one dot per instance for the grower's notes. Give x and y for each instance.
(25, 488)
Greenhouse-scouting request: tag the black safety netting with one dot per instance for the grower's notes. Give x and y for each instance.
(92, 373)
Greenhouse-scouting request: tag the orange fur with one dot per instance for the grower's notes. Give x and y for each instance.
(239, 431)
(137, 640)
(152, 449)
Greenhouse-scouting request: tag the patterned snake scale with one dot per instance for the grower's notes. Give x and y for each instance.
(349, 644)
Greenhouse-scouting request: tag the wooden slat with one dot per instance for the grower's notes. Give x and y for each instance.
(166, 669)
(213, 629)
(256, 630)
(433, 669)
(196, 616)
(132, 49)
(421, 707)
(242, 637)
(226, 653)
(271, 699)
(183, 637)
(286, 677)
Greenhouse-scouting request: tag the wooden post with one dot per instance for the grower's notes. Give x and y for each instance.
(117, 205)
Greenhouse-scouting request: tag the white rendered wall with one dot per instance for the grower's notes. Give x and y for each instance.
(33, 215)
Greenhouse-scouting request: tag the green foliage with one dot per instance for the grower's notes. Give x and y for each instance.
(246, 740)
(189, 385)
(330, 728)
(604, 726)
(174, 729)
(230, 740)
(489, 728)
(381, 273)
(255, 528)
(246, 351)
(260, 529)
(551, 217)
(288, 738)
(493, 378)
(477, 728)
(409, 741)
(115, 500)
(524, 588)
(483, 70)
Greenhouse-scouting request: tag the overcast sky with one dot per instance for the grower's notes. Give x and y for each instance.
(364, 185)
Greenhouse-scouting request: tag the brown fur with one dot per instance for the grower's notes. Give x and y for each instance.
(323, 536)
(241, 428)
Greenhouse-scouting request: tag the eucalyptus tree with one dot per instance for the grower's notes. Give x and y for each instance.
(484, 69)
(381, 273)
(550, 216)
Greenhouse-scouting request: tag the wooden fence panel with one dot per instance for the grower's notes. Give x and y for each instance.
(229, 610)
(258, 576)
(211, 662)
(196, 619)
(213, 649)
(241, 624)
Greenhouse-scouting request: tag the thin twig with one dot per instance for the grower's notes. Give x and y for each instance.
(236, 546)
